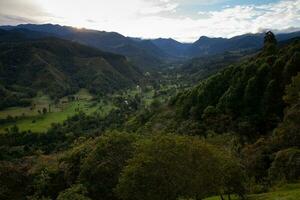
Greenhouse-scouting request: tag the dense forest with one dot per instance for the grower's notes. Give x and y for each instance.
(226, 125)
(57, 67)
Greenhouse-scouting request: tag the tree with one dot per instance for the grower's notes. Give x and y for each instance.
(101, 169)
(48, 179)
(215, 120)
(293, 91)
(287, 133)
(44, 110)
(269, 43)
(291, 67)
(171, 167)
(270, 38)
(233, 176)
(13, 179)
(286, 165)
(76, 192)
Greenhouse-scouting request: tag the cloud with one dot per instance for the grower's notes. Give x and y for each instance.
(20, 11)
(228, 22)
(158, 7)
(156, 18)
(286, 30)
(251, 18)
(11, 19)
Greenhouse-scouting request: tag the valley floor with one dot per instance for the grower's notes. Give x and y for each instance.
(34, 119)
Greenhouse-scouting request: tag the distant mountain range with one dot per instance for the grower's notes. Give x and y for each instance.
(211, 46)
(150, 53)
(143, 53)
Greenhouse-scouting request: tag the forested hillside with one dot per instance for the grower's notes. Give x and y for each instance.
(58, 68)
(200, 68)
(242, 96)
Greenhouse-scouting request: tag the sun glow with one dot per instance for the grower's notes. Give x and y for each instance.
(155, 18)
(98, 14)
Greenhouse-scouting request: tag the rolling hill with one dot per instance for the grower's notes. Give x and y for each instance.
(59, 67)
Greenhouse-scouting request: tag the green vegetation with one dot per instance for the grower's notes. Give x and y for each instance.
(286, 192)
(125, 165)
(235, 135)
(59, 68)
(246, 98)
(172, 167)
(43, 122)
(34, 119)
(200, 68)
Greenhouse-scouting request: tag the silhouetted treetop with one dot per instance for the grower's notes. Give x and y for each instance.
(270, 38)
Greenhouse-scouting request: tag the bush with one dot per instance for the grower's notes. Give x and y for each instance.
(286, 165)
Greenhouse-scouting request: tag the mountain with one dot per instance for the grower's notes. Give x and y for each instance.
(172, 47)
(206, 46)
(211, 46)
(143, 53)
(20, 35)
(152, 54)
(198, 68)
(59, 67)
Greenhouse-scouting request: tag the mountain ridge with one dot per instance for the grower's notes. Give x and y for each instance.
(105, 41)
(150, 54)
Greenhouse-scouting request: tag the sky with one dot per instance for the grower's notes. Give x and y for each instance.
(183, 20)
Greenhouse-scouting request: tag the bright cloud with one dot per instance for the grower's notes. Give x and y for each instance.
(155, 18)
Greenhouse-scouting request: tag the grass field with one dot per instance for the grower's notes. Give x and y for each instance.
(287, 192)
(148, 95)
(31, 119)
(39, 102)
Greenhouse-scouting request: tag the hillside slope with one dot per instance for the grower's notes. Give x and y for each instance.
(245, 98)
(143, 53)
(59, 67)
(248, 93)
